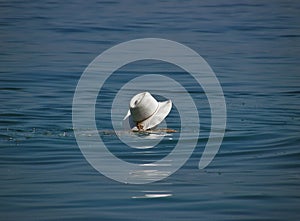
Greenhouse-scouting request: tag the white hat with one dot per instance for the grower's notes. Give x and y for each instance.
(146, 111)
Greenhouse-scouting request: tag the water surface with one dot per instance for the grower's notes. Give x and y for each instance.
(254, 49)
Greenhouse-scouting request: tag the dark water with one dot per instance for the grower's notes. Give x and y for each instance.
(254, 49)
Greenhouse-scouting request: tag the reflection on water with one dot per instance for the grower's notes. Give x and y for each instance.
(144, 140)
(152, 194)
(152, 164)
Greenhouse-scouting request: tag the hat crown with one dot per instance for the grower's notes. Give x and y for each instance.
(142, 106)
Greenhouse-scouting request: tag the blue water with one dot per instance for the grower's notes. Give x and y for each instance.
(254, 49)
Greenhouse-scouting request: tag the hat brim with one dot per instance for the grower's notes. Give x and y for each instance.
(159, 115)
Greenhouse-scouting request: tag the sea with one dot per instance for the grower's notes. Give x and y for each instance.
(253, 49)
